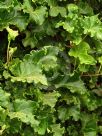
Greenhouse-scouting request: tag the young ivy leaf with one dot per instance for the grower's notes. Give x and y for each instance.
(12, 33)
(89, 125)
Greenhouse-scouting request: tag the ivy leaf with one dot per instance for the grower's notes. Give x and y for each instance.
(20, 20)
(31, 68)
(74, 87)
(51, 3)
(10, 14)
(15, 126)
(39, 15)
(93, 27)
(27, 72)
(27, 7)
(65, 113)
(50, 99)
(54, 11)
(83, 67)
(12, 33)
(66, 25)
(72, 8)
(89, 125)
(81, 51)
(3, 115)
(4, 98)
(46, 58)
(42, 126)
(100, 60)
(29, 40)
(85, 8)
(70, 24)
(24, 106)
(57, 130)
(27, 131)
(23, 110)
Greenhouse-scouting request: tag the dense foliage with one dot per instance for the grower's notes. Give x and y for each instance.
(50, 67)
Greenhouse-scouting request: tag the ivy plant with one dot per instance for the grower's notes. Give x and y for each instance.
(50, 68)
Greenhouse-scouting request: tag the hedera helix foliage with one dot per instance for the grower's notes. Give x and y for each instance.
(50, 68)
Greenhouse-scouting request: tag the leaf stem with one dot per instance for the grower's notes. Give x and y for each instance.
(99, 69)
(8, 52)
(89, 75)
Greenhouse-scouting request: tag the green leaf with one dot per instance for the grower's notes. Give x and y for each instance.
(66, 25)
(23, 110)
(83, 67)
(93, 27)
(50, 99)
(31, 68)
(72, 8)
(57, 130)
(85, 8)
(65, 113)
(81, 51)
(20, 20)
(42, 126)
(10, 15)
(12, 34)
(3, 115)
(28, 131)
(24, 106)
(89, 125)
(54, 11)
(100, 60)
(39, 15)
(4, 98)
(74, 87)
(15, 126)
(70, 24)
(29, 40)
(27, 72)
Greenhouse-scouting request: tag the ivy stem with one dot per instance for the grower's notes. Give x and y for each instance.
(8, 52)
(89, 75)
(99, 69)
(83, 38)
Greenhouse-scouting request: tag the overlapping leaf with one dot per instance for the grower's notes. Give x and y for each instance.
(38, 15)
(23, 110)
(57, 130)
(50, 99)
(81, 51)
(31, 68)
(4, 98)
(55, 11)
(93, 27)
